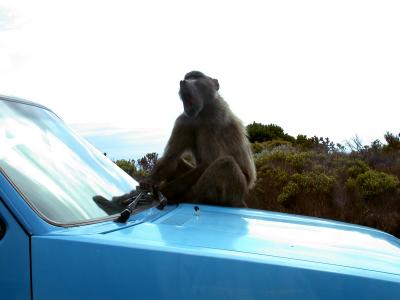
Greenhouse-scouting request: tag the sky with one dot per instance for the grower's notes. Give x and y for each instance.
(111, 69)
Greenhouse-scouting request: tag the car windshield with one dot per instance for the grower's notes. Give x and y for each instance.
(57, 171)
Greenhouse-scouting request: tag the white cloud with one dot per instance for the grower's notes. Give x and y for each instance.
(124, 143)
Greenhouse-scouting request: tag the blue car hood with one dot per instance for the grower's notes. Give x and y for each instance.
(263, 234)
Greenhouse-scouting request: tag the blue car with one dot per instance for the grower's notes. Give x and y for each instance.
(57, 242)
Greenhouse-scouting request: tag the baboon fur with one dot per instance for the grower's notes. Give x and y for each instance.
(223, 169)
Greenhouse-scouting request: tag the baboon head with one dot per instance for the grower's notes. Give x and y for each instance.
(196, 91)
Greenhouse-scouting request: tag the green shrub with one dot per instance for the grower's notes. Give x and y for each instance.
(287, 158)
(312, 184)
(317, 143)
(258, 132)
(289, 191)
(266, 157)
(258, 147)
(373, 184)
(357, 168)
(138, 169)
(129, 166)
(299, 161)
(277, 177)
(393, 141)
(351, 184)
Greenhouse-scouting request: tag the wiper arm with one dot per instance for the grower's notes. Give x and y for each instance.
(130, 201)
(161, 198)
(145, 196)
(124, 216)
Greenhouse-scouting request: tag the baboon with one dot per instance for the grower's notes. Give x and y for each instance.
(224, 169)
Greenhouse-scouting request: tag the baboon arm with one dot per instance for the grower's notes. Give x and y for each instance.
(180, 185)
(164, 168)
(181, 140)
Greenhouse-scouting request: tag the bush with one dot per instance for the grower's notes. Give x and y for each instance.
(287, 158)
(317, 144)
(288, 174)
(289, 191)
(258, 147)
(357, 168)
(299, 161)
(308, 184)
(373, 184)
(258, 132)
(138, 169)
(393, 141)
(129, 166)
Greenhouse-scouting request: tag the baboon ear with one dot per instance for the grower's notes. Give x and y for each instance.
(216, 83)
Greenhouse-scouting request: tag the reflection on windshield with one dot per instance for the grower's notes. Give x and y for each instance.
(56, 170)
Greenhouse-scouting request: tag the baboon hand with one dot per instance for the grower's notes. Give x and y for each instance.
(147, 184)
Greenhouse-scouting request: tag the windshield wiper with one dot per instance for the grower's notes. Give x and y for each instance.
(124, 216)
(143, 196)
(130, 201)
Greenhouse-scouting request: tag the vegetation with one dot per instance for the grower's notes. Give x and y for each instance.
(316, 177)
(138, 169)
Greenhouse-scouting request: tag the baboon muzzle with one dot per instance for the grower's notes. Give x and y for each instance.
(184, 90)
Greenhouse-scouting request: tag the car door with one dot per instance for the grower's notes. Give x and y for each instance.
(15, 280)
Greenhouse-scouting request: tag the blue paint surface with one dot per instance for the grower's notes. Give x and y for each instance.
(14, 259)
(221, 254)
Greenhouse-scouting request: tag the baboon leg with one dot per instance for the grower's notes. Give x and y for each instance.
(222, 183)
(184, 178)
